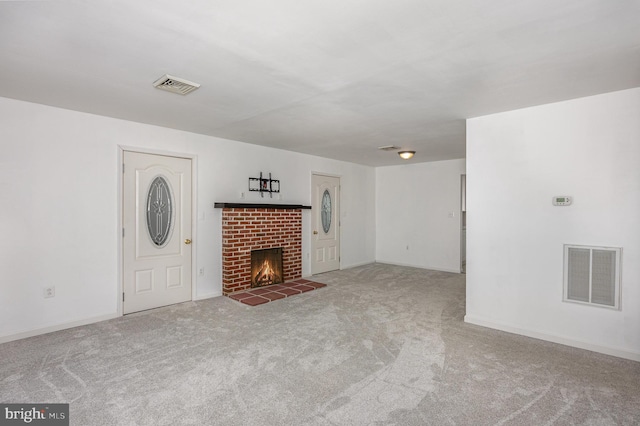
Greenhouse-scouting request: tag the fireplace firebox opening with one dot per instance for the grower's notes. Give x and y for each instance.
(266, 267)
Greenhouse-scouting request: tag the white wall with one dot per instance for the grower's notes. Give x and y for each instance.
(59, 176)
(413, 202)
(588, 148)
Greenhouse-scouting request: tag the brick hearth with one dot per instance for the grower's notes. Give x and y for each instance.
(245, 229)
(262, 295)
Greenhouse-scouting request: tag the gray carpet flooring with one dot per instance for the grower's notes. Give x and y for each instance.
(381, 345)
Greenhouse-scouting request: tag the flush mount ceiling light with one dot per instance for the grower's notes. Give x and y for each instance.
(405, 155)
(175, 85)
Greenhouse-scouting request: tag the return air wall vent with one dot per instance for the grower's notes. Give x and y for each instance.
(592, 275)
(174, 84)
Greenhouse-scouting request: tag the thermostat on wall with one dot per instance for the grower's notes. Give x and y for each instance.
(562, 200)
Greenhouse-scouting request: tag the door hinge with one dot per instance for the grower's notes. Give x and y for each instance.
(123, 296)
(123, 232)
(122, 167)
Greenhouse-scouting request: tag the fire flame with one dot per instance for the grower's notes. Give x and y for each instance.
(266, 274)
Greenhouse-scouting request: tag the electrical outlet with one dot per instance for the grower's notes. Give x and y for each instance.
(452, 214)
(201, 272)
(49, 292)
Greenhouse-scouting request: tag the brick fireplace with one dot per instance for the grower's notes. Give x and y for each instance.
(247, 227)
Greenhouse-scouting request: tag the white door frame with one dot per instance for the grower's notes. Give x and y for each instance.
(463, 225)
(194, 214)
(337, 216)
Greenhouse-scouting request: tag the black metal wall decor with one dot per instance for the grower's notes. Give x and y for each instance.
(264, 184)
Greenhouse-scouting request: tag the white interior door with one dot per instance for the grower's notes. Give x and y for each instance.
(325, 241)
(157, 231)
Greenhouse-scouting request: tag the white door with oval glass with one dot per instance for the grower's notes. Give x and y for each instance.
(157, 231)
(325, 241)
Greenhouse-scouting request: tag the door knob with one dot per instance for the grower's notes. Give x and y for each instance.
(315, 232)
(187, 241)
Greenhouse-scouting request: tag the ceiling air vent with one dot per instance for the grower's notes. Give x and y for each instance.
(174, 84)
(389, 148)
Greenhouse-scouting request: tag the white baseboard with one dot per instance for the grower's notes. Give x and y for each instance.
(355, 265)
(208, 295)
(57, 327)
(430, 268)
(620, 353)
(342, 267)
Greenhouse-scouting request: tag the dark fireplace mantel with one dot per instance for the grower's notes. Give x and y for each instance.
(259, 206)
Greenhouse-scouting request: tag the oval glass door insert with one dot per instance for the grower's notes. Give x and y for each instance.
(159, 211)
(325, 213)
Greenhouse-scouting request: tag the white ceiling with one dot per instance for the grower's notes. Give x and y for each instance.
(334, 78)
